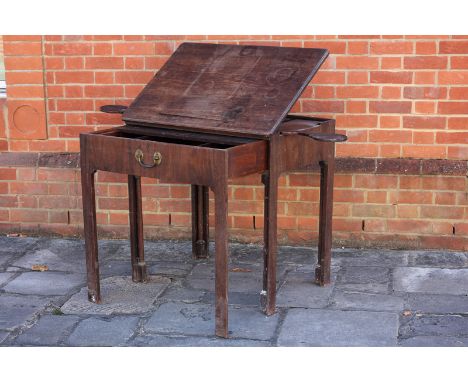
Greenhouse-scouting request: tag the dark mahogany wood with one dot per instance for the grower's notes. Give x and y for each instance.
(212, 113)
(139, 272)
(200, 222)
(113, 109)
(90, 225)
(229, 89)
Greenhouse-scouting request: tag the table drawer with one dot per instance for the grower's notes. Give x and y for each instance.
(169, 159)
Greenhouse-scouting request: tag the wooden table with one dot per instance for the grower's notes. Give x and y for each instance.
(212, 113)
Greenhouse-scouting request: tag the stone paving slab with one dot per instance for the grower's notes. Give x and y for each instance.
(176, 292)
(434, 325)
(371, 258)
(17, 310)
(93, 331)
(49, 331)
(58, 260)
(428, 280)
(198, 319)
(45, 283)
(185, 341)
(437, 259)
(119, 296)
(156, 251)
(5, 277)
(14, 246)
(433, 341)
(364, 279)
(318, 327)
(300, 290)
(3, 335)
(366, 301)
(436, 303)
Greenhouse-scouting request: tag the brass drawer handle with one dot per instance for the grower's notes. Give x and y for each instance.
(157, 158)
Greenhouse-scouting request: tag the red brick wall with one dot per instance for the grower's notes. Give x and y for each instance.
(394, 96)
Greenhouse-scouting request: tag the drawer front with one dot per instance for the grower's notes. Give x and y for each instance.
(177, 162)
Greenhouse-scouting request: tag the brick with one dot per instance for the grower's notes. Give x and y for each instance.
(390, 107)
(364, 150)
(391, 136)
(23, 62)
(458, 123)
(104, 91)
(361, 121)
(425, 107)
(427, 123)
(373, 210)
(335, 47)
(391, 77)
(424, 92)
(453, 77)
(324, 77)
(357, 92)
(323, 106)
(351, 196)
(134, 48)
(459, 62)
(22, 48)
(75, 104)
(379, 197)
(356, 107)
(458, 93)
(424, 78)
(376, 181)
(33, 91)
(426, 47)
(389, 121)
(358, 47)
(71, 49)
(74, 77)
(447, 198)
(413, 226)
(407, 211)
(133, 77)
(102, 49)
(460, 138)
(424, 151)
(456, 153)
(357, 77)
(74, 63)
(444, 183)
(28, 77)
(442, 212)
(410, 197)
(391, 92)
(423, 137)
(391, 47)
(452, 107)
(391, 63)
(28, 215)
(104, 63)
(453, 47)
(425, 62)
(351, 62)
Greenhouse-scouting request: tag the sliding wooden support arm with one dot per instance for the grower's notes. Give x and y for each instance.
(321, 137)
(113, 109)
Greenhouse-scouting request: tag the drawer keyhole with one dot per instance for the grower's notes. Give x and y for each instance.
(139, 156)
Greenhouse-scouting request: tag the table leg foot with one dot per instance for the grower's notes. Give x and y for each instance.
(94, 297)
(139, 273)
